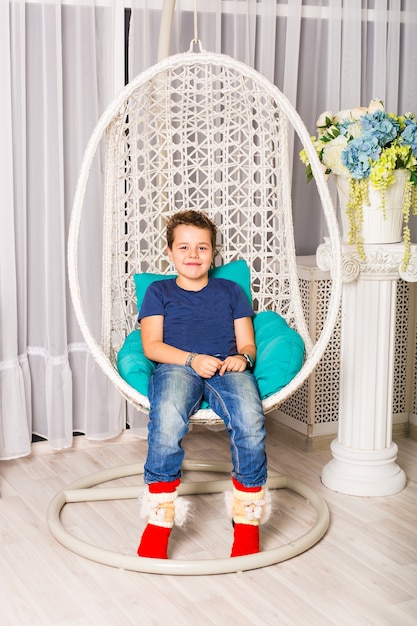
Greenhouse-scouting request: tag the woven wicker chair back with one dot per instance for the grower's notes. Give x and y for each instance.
(199, 136)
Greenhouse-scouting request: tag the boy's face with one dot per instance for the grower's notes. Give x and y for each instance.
(191, 252)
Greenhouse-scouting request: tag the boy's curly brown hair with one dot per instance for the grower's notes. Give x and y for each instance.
(190, 218)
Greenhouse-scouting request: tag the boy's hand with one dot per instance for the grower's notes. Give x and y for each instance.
(206, 366)
(236, 363)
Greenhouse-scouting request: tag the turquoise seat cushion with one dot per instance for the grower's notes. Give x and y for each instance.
(280, 349)
(279, 352)
(133, 366)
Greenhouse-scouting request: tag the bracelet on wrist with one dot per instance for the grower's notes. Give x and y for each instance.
(190, 358)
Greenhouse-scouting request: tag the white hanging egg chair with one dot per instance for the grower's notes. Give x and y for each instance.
(196, 131)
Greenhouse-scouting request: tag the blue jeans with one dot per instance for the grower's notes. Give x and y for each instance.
(175, 393)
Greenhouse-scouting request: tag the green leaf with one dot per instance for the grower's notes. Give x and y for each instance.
(413, 178)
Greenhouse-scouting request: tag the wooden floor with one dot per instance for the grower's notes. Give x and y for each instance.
(363, 572)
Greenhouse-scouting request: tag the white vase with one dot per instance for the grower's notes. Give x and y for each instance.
(377, 226)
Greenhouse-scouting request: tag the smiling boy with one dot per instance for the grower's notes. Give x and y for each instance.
(199, 331)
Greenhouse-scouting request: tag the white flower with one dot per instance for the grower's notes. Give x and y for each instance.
(355, 129)
(376, 105)
(331, 156)
(358, 112)
(343, 116)
(321, 122)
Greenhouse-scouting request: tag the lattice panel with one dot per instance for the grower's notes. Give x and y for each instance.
(316, 402)
(401, 348)
(414, 394)
(319, 390)
(327, 373)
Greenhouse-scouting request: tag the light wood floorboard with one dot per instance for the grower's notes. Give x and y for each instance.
(362, 573)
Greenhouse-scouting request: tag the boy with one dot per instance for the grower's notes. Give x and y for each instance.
(199, 330)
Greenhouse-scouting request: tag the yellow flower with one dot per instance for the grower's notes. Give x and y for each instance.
(304, 157)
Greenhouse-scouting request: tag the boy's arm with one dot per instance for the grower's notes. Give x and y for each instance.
(152, 333)
(245, 343)
(245, 337)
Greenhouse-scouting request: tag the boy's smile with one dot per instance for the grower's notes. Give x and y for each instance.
(192, 255)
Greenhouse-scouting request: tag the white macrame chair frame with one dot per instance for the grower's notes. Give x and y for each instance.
(201, 131)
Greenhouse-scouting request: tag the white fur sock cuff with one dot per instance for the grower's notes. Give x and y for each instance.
(164, 509)
(254, 507)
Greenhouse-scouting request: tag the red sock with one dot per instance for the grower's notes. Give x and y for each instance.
(246, 540)
(246, 536)
(241, 487)
(164, 487)
(154, 542)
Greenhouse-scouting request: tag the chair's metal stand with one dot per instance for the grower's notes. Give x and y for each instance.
(81, 491)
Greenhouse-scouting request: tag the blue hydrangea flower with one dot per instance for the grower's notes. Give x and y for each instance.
(358, 154)
(344, 127)
(409, 135)
(379, 124)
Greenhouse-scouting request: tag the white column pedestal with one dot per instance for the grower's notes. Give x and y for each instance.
(364, 455)
(363, 472)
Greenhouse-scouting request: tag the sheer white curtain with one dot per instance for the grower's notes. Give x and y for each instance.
(56, 68)
(58, 62)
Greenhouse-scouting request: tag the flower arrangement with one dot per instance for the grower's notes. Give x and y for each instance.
(366, 145)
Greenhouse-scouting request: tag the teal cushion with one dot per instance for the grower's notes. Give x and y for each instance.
(133, 366)
(238, 271)
(280, 355)
(279, 352)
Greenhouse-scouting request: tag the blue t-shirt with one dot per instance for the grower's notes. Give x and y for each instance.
(198, 321)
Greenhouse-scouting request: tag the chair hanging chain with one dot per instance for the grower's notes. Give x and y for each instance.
(195, 22)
